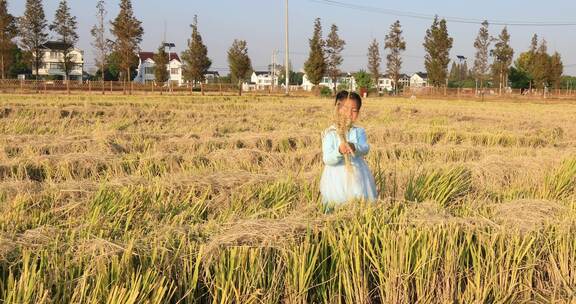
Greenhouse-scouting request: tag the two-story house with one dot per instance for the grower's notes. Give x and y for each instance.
(53, 61)
(344, 80)
(262, 80)
(387, 84)
(419, 80)
(147, 65)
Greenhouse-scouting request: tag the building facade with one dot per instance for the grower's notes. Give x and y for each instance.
(385, 84)
(53, 61)
(147, 65)
(419, 80)
(344, 80)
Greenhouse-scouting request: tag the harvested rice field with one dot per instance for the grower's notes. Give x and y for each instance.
(216, 200)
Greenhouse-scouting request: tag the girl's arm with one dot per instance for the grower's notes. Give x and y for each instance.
(362, 146)
(330, 154)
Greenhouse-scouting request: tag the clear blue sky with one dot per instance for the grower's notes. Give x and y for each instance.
(261, 23)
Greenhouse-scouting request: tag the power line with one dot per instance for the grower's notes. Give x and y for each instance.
(415, 15)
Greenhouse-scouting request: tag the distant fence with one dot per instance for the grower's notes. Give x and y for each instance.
(16, 86)
(120, 87)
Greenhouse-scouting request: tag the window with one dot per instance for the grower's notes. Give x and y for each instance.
(174, 71)
(149, 70)
(56, 66)
(53, 55)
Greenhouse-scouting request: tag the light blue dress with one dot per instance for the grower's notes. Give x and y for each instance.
(338, 185)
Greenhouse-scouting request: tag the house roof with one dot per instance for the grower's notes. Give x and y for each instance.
(422, 75)
(56, 45)
(212, 73)
(401, 76)
(150, 55)
(262, 73)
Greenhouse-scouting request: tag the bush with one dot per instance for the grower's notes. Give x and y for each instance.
(325, 91)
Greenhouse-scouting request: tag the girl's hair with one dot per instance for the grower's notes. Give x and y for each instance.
(343, 95)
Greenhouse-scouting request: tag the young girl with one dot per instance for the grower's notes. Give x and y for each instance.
(346, 175)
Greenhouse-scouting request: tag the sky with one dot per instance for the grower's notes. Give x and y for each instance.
(261, 24)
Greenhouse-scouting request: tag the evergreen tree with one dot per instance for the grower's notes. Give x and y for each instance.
(65, 25)
(374, 60)
(482, 44)
(196, 61)
(395, 45)
(315, 66)
(128, 32)
(536, 65)
(334, 48)
(32, 29)
(503, 54)
(540, 68)
(464, 73)
(8, 31)
(454, 70)
(239, 61)
(161, 62)
(556, 70)
(100, 43)
(437, 44)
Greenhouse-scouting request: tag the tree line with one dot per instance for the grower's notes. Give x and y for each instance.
(117, 43)
(492, 66)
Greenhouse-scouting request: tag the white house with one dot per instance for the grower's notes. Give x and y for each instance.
(345, 79)
(53, 61)
(385, 84)
(146, 66)
(404, 81)
(262, 80)
(419, 80)
(211, 77)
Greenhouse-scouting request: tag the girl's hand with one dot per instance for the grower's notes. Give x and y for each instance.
(345, 149)
(352, 147)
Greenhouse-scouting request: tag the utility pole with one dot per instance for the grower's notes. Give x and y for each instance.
(287, 54)
(273, 68)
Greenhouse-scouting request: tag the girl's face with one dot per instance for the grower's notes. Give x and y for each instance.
(349, 109)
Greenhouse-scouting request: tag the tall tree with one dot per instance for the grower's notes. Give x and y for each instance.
(374, 60)
(128, 32)
(541, 64)
(395, 45)
(315, 66)
(482, 45)
(32, 27)
(161, 65)
(453, 76)
(334, 48)
(464, 73)
(196, 61)
(437, 44)
(100, 43)
(503, 54)
(8, 31)
(556, 70)
(239, 62)
(65, 25)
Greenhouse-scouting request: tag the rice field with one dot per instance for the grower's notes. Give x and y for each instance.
(215, 200)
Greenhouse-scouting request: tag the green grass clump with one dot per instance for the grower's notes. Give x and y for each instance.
(442, 186)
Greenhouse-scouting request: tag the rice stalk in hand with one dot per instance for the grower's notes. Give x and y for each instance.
(343, 125)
